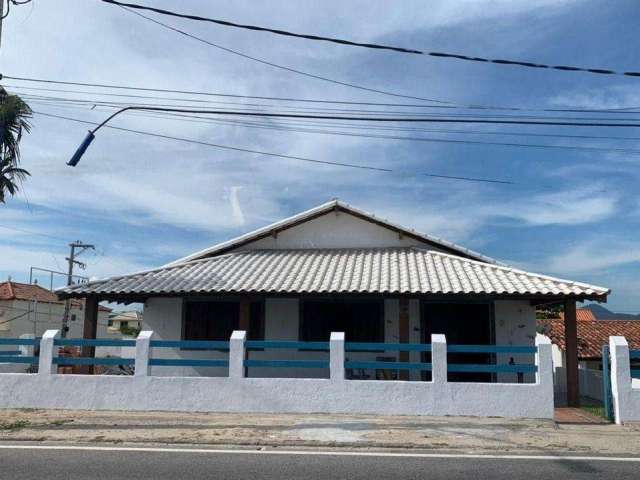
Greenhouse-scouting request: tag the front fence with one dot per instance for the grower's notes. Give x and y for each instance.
(625, 380)
(237, 392)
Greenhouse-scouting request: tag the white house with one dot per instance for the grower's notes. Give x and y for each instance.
(337, 268)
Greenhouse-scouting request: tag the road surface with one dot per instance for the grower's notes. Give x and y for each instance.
(111, 463)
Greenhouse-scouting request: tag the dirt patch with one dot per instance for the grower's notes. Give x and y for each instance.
(451, 433)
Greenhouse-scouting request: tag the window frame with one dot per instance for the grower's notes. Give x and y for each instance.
(187, 300)
(348, 300)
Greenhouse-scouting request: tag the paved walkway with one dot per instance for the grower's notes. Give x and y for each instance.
(356, 431)
(568, 415)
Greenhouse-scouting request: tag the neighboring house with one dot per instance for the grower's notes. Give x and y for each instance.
(592, 335)
(30, 308)
(125, 320)
(337, 268)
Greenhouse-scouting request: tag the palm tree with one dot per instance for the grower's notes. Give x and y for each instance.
(14, 120)
(10, 176)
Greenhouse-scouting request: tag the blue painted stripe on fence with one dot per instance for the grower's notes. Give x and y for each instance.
(388, 365)
(92, 361)
(191, 344)
(635, 373)
(287, 363)
(403, 347)
(462, 367)
(634, 353)
(10, 352)
(187, 362)
(490, 349)
(93, 342)
(287, 344)
(18, 359)
(19, 341)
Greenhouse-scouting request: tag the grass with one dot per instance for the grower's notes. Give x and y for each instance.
(594, 407)
(15, 425)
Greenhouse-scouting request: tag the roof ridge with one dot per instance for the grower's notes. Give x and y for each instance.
(321, 210)
(524, 272)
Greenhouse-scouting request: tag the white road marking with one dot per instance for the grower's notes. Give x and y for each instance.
(320, 452)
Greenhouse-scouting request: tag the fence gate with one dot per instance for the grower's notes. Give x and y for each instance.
(606, 384)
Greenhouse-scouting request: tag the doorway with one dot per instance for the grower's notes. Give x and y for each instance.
(463, 323)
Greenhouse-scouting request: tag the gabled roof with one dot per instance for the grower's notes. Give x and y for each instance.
(592, 335)
(30, 292)
(25, 291)
(395, 270)
(333, 205)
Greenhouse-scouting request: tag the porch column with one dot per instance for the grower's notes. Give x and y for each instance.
(89, 330)
(245, 312)
(571, 352)
(403, 333)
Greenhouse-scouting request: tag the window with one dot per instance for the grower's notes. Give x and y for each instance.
(216, 320)
(210, 320)
(360, 320)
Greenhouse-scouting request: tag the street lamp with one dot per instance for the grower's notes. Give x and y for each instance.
(92, 133)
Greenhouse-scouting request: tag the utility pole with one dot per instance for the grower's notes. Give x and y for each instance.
(81, 247)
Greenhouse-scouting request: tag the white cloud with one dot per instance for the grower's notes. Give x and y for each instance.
(595, 256)
(570, 207)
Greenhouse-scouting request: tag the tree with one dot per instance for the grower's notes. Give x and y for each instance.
(14, 121)
(10, 178)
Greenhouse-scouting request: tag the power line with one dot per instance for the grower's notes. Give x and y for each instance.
(277, 127)
(376, 46)
(289, 157)
(282, 67)
(316, 110)
(376, 119)
(93, 102)
(30, 232)
(568, 109)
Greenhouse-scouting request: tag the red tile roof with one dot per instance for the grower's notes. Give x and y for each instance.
(592, 335)
(582, 315)
(30, 292)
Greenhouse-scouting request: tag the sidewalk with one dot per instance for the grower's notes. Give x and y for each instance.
(317, 430)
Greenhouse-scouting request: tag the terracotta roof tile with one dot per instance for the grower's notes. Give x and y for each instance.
(592, 335)
(31, 292)
(582, 315)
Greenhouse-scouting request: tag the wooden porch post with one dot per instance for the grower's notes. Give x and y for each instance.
(571, 352)
(245, 312)
(89, 330)
(403, 333)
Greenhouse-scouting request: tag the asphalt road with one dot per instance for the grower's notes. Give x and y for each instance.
(19, 464)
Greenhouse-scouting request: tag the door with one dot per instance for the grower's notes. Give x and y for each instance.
(462, 324)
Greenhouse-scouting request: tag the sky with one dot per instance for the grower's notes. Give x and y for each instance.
(144, 201)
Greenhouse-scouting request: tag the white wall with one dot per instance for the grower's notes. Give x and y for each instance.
(42, 316)
(334, 230)
(624, 390)
(281, 395)
(515, 324)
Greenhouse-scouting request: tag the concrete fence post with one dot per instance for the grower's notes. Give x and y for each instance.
(143, 353)
(544, 371)
(336, 356)
(544, 361)
(620, 376)
(45, 363)
(27, 350)
(438, 358)
(237, 354)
